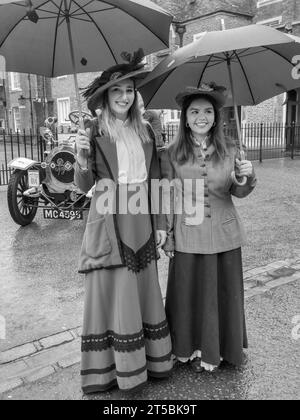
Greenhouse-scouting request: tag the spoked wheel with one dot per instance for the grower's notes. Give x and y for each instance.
(21, 208)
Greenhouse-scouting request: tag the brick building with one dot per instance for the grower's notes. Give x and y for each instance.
(25, 101)
(63, 92)
(3, 108)
(191, 18)
(285, 16)
(202, 15)
(3, 100)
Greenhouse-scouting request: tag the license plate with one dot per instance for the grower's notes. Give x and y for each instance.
(63, 214)
(33, 179)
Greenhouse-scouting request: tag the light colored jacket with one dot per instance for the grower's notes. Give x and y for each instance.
(221, 229)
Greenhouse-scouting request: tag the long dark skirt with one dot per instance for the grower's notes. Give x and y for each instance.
(205, 306)
(125, 333)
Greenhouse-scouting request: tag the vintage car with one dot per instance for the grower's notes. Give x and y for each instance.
(48, 185)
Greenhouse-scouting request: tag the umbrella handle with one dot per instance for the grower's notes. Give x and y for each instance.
(243, 182)
(85, 153)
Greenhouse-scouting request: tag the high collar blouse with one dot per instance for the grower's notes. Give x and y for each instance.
(131, 156)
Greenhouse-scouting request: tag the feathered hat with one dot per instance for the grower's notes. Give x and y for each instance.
(211, 90)
(133, 69)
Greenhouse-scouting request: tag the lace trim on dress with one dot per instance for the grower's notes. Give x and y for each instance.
(124, 343)
(121, 343)
(138, 261)
(156, 332)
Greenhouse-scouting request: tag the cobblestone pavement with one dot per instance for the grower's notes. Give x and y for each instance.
(33, 361)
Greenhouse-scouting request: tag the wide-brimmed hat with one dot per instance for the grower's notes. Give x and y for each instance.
(211, 91)
(134, 70)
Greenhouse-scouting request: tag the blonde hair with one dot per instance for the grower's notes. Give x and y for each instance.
(107, 120)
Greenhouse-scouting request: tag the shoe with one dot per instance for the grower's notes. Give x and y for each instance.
(196, 365)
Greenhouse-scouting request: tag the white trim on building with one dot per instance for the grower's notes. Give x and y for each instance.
(63, 110)
(15, 82)
(171, 116)
(262, 3)
(273, 22)
(16, 118)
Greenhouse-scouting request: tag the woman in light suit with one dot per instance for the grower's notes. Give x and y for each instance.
(205, 296)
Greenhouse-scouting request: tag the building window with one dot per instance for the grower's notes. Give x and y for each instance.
(172, 116)
(16, 118)
(262, 3)
(15, 81)
(273, 22)
(63, 110)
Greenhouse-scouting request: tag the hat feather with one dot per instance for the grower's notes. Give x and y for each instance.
(92, 87)
(133, 63)
(134, 60)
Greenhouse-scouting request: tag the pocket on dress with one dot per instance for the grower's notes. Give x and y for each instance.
(97, 239)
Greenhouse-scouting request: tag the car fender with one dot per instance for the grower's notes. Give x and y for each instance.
(22, 163)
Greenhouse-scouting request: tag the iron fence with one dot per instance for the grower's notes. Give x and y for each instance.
(19, 144)
(262, 141)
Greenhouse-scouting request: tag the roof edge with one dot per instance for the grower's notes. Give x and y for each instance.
(244, 14)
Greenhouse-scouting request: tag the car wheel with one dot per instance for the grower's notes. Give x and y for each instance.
(22, 209)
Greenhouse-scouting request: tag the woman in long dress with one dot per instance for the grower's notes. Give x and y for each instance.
(205, 295)
(125, 333)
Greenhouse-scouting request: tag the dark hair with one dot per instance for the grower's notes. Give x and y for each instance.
(182, 149)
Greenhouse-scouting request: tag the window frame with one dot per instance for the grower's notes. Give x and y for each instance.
(169, 113)
(15, 86)
(16, 121)
(270, 20)
(262, 3)
(59, 112)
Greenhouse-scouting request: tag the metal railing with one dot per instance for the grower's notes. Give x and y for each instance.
(18, 144)
(262, 141)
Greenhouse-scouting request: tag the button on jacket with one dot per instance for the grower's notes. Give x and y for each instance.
(221, 229)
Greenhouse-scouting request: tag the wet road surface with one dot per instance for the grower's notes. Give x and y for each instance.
(41, 291)
(271, 370)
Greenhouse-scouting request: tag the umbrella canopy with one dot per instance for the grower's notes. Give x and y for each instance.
(258, 58)
(100, 32)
